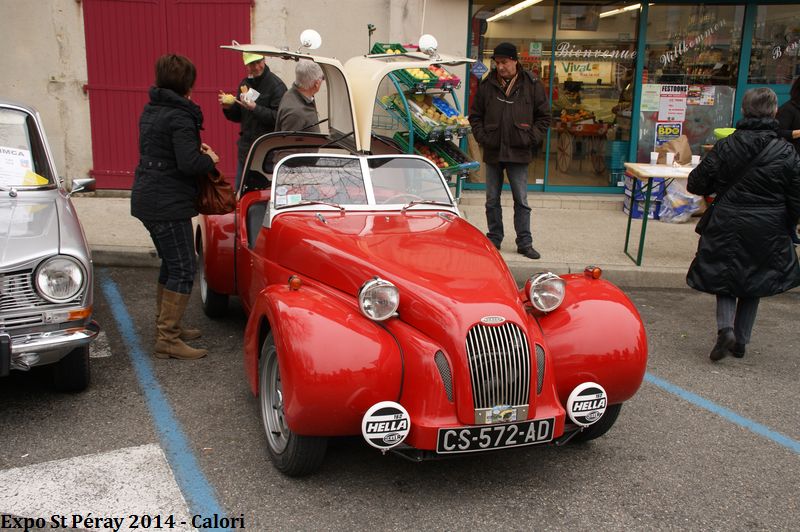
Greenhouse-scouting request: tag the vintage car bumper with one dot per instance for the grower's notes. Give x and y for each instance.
(39, 349)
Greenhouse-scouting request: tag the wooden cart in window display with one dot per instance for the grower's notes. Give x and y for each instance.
(593, 137)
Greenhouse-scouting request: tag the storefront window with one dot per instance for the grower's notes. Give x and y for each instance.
(776, 42)
(690, 73)
(591, 81)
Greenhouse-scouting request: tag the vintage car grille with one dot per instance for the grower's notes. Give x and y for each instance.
(500, 365)
(20, 304)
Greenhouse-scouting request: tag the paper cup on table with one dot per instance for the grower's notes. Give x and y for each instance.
(695, 160)
(653, 157)
(670, 158)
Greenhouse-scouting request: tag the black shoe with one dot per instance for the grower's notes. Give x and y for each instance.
(725, 341)
(738, 350)
(529, 252)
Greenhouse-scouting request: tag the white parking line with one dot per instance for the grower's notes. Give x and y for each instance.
(129, 482)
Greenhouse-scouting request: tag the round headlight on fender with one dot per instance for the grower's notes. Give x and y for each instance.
(546, 291)
(59, 279)
(378, 299)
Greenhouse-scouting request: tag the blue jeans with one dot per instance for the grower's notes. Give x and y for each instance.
(175, 246)
(518, 179)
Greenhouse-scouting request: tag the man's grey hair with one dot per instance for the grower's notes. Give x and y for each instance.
(759, 103)
(306, 73)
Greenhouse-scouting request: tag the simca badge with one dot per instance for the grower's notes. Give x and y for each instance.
(587, 404)
(385, 425)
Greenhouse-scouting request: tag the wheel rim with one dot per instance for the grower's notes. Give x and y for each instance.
(271, 396)
(564, 151)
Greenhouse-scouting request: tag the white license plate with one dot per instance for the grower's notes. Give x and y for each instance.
(486, 438)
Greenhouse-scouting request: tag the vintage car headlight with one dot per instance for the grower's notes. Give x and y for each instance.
(378, 299)
(59, 279)
(546, 291)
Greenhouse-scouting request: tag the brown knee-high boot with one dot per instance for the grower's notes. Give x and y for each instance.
(168, 343)
(187, 333)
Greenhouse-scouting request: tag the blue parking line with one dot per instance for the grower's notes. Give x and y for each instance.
(192, 482)
(723, 412)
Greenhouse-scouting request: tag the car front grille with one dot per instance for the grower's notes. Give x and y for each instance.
(500, 365)
(20, 304)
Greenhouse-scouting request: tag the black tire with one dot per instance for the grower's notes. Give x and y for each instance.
(215, 305)
(601, 427)
(291, 454)
(72, 373)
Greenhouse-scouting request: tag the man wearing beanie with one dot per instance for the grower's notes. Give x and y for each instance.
(257, 115)
(509, 117)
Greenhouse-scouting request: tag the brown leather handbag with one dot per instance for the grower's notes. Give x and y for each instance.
(214, 195)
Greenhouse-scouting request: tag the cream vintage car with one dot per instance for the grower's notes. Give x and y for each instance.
(45, 264)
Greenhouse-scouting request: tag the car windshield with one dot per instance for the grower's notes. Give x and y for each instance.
(406, 180)
(319, 178)
(340, 181)
(23, 160)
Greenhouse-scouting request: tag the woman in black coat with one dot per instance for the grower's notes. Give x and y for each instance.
(171, 158)
(745, 251)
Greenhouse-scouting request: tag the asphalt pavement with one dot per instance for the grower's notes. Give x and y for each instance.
(570, 231)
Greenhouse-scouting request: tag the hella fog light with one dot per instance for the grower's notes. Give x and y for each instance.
(59, 279)
(546, 291)
(378, 299)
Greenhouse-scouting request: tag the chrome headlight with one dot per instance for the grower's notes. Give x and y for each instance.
(546, 291)
(59, 279)
(378, 299)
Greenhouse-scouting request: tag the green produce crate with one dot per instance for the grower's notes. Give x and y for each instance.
(402, 139)
(381, 47)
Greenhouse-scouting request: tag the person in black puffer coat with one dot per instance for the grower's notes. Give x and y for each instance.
(745, 251)
(171, 158)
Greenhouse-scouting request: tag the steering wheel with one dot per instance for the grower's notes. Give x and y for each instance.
(405, 195)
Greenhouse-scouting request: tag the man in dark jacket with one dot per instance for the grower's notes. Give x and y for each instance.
(745, 252)
(256, 115)
(509, 119)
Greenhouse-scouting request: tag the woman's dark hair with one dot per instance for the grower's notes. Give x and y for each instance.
(794, 94)
(175, 72)
(759, 103)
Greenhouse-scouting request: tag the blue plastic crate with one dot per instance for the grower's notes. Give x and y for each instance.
(636, 188)
(638, 209)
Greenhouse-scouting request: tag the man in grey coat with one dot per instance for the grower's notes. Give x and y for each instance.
(298, 110)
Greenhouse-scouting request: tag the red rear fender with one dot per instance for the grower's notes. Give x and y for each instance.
(596, 335)
(334, 362)
(216, 235)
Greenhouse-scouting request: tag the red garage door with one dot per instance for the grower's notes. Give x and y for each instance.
(123, 40)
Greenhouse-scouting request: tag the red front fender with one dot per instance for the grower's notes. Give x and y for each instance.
(596, 335)
(334, 362)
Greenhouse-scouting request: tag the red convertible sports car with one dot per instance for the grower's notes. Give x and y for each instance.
(374, 308)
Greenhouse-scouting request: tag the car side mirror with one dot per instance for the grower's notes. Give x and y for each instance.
(82, 185)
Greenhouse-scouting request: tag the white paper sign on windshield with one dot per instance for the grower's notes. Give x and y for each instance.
(16, 168)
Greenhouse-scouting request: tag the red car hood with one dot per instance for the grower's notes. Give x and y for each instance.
(438, 261)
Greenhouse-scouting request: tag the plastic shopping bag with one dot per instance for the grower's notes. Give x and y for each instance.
(679, 205)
